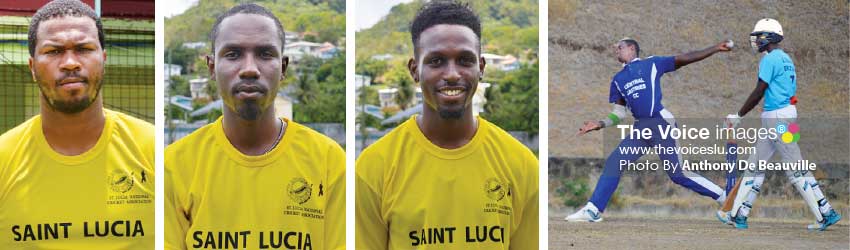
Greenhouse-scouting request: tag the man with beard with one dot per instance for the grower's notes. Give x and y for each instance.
(71, 177)
(446, 179)
(250, 179)
(637, 88)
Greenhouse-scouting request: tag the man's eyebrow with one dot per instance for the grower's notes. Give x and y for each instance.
(48, 44)
(239, 46)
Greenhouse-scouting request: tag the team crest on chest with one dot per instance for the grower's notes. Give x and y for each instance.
(120, 181)
(299, 190)
(499, 192)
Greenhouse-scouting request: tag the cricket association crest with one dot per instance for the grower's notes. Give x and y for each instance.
(299, 190)
(496, 189)
(120, 181)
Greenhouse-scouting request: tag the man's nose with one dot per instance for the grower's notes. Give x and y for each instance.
(70, 62)
(249, 69)
(452, 73)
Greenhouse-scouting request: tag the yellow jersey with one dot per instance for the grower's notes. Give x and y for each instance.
(412, 194)
(292, 197)
(100, 199)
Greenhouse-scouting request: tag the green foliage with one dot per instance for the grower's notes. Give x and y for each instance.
(372, 68)
(320, 90)
(574, 192)
(179, 86)
(512, 100)
(181, 56)
(399, 76)
(508, 27)
(325, 18)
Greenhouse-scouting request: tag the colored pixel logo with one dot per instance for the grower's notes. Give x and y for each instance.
(790, 132)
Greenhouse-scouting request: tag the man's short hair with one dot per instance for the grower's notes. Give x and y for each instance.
(634, 43)
(62, 8)
(444, 12)
(246, 8)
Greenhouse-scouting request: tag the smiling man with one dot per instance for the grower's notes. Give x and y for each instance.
(446, 179)
(76, 176)
(251, 180)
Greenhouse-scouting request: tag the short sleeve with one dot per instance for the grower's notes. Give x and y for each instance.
(177, 221)
(615, 93)
(372, 232)
(527, 234)
(766, 69)
(664, 64)
(335, 222)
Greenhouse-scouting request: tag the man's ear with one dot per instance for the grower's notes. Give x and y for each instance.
(211, 66)
(481, 65)
(413, 68)
(284, 64)
(32, 70)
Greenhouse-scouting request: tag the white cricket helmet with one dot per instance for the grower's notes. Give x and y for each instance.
(765, 32)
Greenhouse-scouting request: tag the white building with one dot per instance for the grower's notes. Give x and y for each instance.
(194, 45)
(386, 97)
(503, 63)
(196, 87)
(297, 50)
(362, 80)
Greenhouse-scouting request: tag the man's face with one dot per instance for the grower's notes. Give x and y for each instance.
(248, 64)
(624, 52)
(68, 63)
(447, 68)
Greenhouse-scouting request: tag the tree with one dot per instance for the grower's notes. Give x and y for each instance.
(320, 90)
(399, 76)
(512, 102)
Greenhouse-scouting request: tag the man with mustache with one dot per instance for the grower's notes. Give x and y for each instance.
(447, 179)
(72, 176)
(250, 179)
(637, 88)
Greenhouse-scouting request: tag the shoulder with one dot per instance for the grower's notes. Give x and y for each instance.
(133, 127)
(521, 160)
(375, 157)
(391, 142)
(191, 142)
(659, 59)
(498, 137)
(11, 140)
(311, 138)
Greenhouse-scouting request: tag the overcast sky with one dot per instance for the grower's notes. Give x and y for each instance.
(175, 7)
(369, 12)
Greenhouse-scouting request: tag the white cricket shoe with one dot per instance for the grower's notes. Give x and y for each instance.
(724, 217)
(589, 213)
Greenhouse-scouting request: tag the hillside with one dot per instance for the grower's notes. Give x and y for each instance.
(509, 27)
(581, 64)
(324, 17)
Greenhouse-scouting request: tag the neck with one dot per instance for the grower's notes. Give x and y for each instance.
(252, 137)
(447, 133)
(72, 134)
(771, 47)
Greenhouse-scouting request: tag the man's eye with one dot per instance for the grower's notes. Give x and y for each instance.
(52, 52)
(467, 61)
(231, 55)
(267, 54)
(435, 61)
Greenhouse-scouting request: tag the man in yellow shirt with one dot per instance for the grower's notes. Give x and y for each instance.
(251, 180)
(446, 179)
(77, 176)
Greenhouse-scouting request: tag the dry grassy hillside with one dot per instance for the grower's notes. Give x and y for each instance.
(581, 62)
